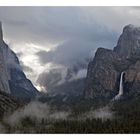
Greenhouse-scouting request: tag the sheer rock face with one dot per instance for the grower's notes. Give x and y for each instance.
(4, 85)
(101, 73)
(133, 72)
(20, 86)
(132, 78)
(105, 69)
(12, 78)
(129, 42)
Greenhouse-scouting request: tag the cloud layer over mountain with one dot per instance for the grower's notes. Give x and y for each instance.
(48, 37)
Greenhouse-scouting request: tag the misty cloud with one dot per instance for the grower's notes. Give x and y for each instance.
(62, 35)
(47, 24)
(102, 113)
(67, 54)
(37, 111)
(52, 78)
(80, 74)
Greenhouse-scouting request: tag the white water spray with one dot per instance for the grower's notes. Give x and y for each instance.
(120, 88)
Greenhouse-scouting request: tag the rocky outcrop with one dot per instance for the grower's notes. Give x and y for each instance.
(12, 77)
(20, 86)
(129, 42)
(4, 85)
(105, 69)
(101, 74)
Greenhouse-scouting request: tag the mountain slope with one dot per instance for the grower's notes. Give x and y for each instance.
(4, 86)
(7, 103)
(12, 77)
(104, 71)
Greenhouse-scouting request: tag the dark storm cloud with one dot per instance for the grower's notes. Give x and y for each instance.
(71, 52)
(41, 25)
(49, 24)
(76, 32)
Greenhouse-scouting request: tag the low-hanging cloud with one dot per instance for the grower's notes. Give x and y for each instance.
(80, 74)
(38, 111)
(68, 53)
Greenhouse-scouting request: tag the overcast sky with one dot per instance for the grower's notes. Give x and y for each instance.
(48, 37)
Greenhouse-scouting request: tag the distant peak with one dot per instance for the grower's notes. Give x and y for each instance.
(128, 45)
(131, 27)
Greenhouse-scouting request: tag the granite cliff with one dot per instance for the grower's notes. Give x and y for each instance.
(12, 77)
(104, 70)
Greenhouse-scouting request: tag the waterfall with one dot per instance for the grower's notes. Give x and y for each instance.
(120, 88)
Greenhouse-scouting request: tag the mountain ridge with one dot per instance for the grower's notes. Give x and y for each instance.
(104, 70)
(16, 82)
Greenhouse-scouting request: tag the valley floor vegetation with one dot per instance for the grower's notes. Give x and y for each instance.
(122, 116)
